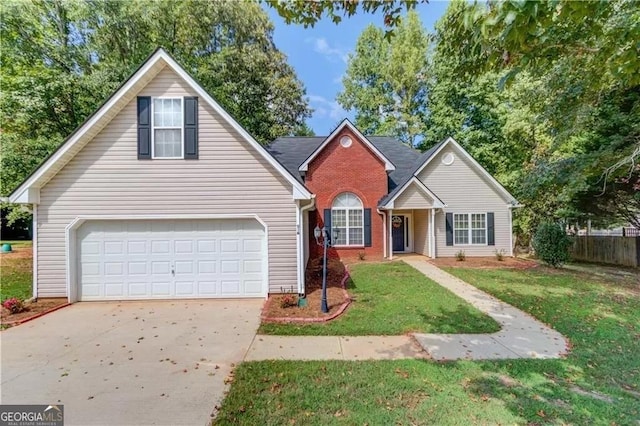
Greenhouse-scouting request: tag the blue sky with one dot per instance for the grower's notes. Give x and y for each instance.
(319, 56)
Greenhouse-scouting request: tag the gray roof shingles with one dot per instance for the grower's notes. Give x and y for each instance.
(292, 151)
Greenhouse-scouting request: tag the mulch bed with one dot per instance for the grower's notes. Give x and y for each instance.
(32, 310)
(484, 263)
(18, 253)
(337, 297)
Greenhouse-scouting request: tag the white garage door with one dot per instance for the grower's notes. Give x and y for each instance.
(167, 259)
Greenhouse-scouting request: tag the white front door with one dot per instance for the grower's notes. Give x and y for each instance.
(167, 259)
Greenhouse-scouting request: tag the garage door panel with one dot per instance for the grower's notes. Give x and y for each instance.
(208, 288)
(138, 289)
(171, 259)
(253, 287)
(160, 246)
(207, 246)
(136, 247)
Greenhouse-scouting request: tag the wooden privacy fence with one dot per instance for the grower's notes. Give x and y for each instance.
(616, 250)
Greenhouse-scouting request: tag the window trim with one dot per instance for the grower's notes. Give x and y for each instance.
(347, 226)
(471, 229)
(154, 128)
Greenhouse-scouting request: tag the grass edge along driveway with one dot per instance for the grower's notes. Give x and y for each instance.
(598, 383)
(392, 298)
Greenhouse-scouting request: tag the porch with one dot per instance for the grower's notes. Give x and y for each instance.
(410, 231)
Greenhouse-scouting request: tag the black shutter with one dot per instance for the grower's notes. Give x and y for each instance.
(449, 220)
(491, 239)
(144, 128)
(191, 128)
(367, 227)
(327, 222)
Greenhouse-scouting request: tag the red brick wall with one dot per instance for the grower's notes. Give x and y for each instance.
(355, 169)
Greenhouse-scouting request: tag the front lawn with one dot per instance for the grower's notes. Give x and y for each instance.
(597, 384)
(393, 299)
(15, 271)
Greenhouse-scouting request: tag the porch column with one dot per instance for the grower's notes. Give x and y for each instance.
(390, 228)
(430, 240)
(432, 235)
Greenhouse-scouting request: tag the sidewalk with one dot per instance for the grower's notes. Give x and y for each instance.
(521, 335)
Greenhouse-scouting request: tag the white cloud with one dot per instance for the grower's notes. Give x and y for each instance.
(325, 108)
(323, 47)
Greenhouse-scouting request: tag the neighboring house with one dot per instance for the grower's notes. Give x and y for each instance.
(162, 194)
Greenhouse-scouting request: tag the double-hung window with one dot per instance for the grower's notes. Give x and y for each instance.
(347, 220)
(470, 228)
(167, 128)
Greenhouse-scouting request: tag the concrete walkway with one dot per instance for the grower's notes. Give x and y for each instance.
(521, 335)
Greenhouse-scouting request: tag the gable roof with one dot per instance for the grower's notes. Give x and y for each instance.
(481, 170)
(293, 151)
(387, 200)
(28, 191)
(388, 165)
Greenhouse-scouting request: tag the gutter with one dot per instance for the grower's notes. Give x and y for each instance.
(300, 243)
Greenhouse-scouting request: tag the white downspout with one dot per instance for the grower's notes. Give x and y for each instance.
(300, 242)
(430, 238)
(384, 232)
(432, 234)
(34, 248)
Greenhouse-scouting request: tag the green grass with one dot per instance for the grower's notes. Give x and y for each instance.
(16, 274)
(393, 299)
(597, 384)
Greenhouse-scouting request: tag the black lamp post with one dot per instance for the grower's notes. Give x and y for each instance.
(326, 242)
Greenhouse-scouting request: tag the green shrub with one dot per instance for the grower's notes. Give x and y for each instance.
(551, 244)
(500, 254)
(460, 256)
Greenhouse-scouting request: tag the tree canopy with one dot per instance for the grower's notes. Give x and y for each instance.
(308, 13)
(61, 59)
(386, 79)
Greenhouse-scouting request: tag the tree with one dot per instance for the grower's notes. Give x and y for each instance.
(569, 72)
(309, 12)
(60, 59)
(386, 81)
(580, 49)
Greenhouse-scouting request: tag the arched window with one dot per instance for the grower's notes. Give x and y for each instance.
(346, 218)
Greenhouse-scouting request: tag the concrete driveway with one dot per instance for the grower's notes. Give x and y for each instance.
(129, 363)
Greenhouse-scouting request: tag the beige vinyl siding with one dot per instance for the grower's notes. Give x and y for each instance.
(412, 198)
(106, 178)
(421, 231)
(464, 190)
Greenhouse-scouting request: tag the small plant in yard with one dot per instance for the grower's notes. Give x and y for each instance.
(500, 255)
(460, 256)
(288, 301)
(551, 244)
(13, 305)
(361, 255)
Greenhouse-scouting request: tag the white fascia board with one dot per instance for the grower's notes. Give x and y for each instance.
(388, 165)
(29, 195)
(473, 161)
(73, 140)
(436, 201)
(161, 54)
